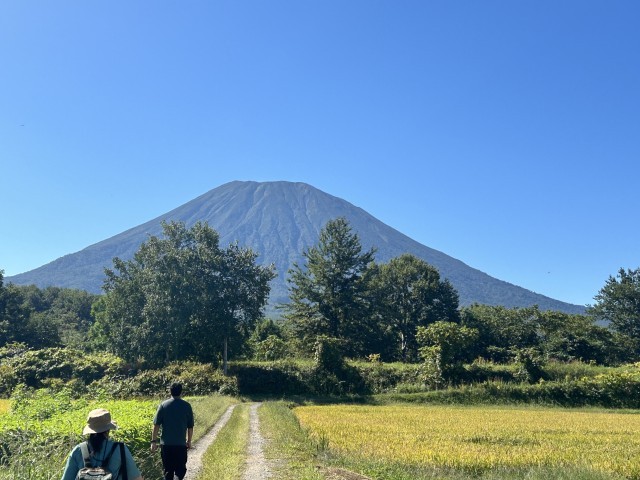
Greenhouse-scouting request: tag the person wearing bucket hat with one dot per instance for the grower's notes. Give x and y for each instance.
(100, 450)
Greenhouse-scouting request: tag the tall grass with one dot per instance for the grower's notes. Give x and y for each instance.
(36, 438)
(206, 411)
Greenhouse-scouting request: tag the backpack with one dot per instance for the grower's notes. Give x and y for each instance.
(99, 473)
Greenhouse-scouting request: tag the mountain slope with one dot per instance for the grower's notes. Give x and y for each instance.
(279, 220)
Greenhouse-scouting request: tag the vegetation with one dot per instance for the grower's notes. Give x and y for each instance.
(182, 297)
(226, 457)
(288, 443)
(41, 318)
(390, 339)
(328, 294)
(618, 302)
(409, 294)
(475, 440)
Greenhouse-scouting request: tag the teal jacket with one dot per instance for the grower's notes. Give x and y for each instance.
(75, 461)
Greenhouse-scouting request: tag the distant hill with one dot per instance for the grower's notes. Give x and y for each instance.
(279, 220)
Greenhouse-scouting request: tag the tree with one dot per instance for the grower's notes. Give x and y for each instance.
(66, 310)
(501, 329)
(444, 346)
(618, 302)
(244, 292)
(409, 294)
(569, 337)
(328, 295)
(181, 297)
(18, 323)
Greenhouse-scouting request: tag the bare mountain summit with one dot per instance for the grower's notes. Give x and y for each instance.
(279, 220)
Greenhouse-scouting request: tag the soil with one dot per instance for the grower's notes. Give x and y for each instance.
(257, 466)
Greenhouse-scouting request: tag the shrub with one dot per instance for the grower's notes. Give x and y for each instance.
(271, 348)
(620, 389)
(196, 379)
(34, 367)
(278, 378)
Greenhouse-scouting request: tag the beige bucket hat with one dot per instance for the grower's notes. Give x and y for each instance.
(98, 421)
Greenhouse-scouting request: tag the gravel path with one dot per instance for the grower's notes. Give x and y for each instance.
(194, 460)
(257, 467)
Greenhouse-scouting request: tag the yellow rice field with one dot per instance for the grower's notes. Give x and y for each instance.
(481, 438)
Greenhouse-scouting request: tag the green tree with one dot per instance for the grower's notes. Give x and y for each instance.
(13, 318)
(569, 337)
(501, 329)
(328, 295)
(444, 346)
(181, 297)
(18, 323)
(66, 310)
(409, 293)
(618, 302)
(242, 295)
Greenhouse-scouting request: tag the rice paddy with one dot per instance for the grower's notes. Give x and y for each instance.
(479, 439)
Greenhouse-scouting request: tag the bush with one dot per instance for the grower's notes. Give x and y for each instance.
(277, 378)
(271, 348)
(381, 377)
(196, 379)
(620, 389)
(35, 368)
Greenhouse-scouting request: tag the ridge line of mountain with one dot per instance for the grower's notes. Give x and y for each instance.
(279, 220)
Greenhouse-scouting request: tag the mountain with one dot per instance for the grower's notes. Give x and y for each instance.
(279, 220)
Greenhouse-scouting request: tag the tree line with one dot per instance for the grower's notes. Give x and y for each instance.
(184, 297)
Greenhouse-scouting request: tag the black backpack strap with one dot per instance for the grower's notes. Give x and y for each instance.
(123, 463)
(108, 457)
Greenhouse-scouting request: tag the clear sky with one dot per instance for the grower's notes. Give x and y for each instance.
(503, 133)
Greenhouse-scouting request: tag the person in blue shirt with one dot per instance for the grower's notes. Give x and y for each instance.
(99, 447)
(175, 416)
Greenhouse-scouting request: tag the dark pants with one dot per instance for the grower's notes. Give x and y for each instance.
(174, 460)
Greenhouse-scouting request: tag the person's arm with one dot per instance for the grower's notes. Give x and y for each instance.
(71, 468)
(189, 436)
(154, 437)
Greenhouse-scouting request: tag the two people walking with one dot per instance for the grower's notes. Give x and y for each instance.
(173, 420)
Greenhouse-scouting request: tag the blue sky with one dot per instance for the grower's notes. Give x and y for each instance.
(505, 134)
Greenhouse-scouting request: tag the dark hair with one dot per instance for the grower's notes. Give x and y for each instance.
(96, 440)
(176, 389)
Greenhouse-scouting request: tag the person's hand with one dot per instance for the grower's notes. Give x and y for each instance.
(154, 446)
(188, 444)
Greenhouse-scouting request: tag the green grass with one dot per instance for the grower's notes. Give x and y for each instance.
(226, 457)
(38, 447)
(207, 411)
(289, 449)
